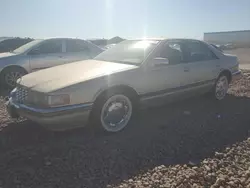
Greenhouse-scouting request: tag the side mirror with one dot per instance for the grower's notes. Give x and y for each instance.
(160, 61)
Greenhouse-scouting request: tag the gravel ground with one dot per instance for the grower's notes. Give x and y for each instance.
(193, 143)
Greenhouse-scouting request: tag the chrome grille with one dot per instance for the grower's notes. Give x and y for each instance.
(21, 95)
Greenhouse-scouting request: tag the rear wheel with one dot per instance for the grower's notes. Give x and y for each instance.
(10, 75)
(113, 111)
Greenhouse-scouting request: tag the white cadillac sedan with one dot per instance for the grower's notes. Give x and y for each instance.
(108, 89)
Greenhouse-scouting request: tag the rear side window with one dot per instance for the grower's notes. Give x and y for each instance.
(76, 46)
(198, 51)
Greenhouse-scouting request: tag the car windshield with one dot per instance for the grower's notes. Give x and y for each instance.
(217, 47)
(128, 52)
(26, 47)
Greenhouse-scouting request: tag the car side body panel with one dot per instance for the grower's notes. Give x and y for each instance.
(20, 60)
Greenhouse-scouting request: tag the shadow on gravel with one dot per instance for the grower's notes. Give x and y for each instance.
(177, 133)
(4, 93)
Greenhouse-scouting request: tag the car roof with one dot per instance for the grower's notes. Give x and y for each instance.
(62, 39)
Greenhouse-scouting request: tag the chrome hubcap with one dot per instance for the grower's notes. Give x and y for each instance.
(12, 77)
(116, 113)
(221, 87)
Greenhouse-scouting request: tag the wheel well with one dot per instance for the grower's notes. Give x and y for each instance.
(228, 74)
(123, 89)
(11, 67)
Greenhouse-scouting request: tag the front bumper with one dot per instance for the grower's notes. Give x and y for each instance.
(57, 118)
(236, 76)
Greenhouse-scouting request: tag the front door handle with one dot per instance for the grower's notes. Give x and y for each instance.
(186, 69)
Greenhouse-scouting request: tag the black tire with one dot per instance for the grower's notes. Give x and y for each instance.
(95, 118)
(225, 79)
(6, 73)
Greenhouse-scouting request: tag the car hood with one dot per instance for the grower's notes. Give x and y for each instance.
(51, 79)
(6, 54)
(229, 55)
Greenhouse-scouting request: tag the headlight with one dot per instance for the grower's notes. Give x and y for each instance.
(58, 100)
(37, 98)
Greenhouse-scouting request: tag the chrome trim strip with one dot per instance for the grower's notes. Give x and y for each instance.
(85, 106)
(177, 89)
(175, 92)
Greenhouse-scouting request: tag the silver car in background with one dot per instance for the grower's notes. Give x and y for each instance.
(41, 54)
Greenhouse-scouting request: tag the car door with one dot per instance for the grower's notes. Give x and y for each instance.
(47, 54)
(202, 64)
(77, 50)
(166, 76)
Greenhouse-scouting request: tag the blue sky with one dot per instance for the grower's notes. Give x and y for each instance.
(125, 18)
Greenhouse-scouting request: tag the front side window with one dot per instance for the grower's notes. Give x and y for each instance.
(199, 52)
(173, 51)
(76, 46)
(48, 47)
(128, 52)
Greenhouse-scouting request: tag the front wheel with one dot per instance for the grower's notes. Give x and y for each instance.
(113, 112)
(10, 76)
(221, 87)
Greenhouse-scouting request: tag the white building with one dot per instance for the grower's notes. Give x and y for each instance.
(241, 38)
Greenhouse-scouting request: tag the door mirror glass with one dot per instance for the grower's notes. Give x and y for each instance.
(160, 61)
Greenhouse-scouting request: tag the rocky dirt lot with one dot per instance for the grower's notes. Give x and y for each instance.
(193, 143)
